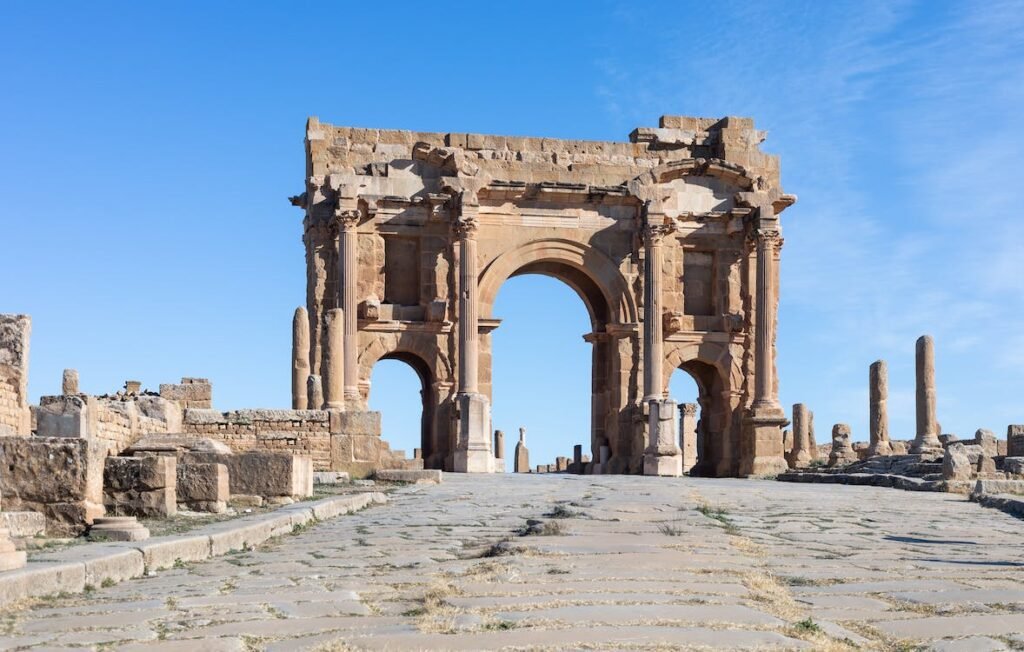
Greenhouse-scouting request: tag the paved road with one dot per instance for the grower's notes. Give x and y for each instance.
(633, 563)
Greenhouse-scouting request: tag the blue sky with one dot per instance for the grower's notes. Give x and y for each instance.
(148, 148)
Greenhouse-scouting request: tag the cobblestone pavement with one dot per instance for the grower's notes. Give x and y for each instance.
(633, 563)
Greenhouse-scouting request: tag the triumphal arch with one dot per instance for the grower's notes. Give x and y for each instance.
(672, 240)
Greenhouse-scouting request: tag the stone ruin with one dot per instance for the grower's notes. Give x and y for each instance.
(78, 462)
(932, 460)
(672, 240)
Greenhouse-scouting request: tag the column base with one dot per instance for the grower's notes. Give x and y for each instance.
(880, 449)
(762, 452)
(474, 453)
(663, 457)
(929, 447)
(663, 465)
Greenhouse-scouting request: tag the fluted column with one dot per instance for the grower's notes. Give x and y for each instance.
(761, 450)
(473, 447)
(348, 276)
(300, 359)
(469, 330)
(662, 456)
(764, 366)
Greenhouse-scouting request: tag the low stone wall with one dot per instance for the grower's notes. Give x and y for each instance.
(117, 421)
(300, 432)
(59, 477)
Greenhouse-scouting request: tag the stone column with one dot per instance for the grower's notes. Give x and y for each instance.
(662, 456)
(348, 277)
(314, 392)
(878, 417)
(499, 444)
(762, 453)
(522, 462)
(473, 453)
(300, 359)
(801, 456)
(69, 382)
(688, 434)
(926, 441)
(577, 459)
(334, 374)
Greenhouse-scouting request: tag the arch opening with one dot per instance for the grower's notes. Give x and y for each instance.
(540, 361)
(697, 388)
(395, 393)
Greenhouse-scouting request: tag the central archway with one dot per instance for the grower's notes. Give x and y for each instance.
(596, 279)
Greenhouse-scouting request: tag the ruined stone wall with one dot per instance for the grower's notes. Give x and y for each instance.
(301, 432)
(61, 477)
(15, 417)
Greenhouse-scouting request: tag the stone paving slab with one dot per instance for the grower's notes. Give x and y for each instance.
(637, 566)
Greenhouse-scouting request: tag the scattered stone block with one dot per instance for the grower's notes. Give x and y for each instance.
(263, 473)
(140, 486)
(118, 528)
(428, 476)
(1013, 465)
(331, 477)
(956, 464)
(245, 500)
(23, 525)
(988, 442)
(203, 487)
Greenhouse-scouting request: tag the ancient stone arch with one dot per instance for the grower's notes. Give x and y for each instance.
(671, 239)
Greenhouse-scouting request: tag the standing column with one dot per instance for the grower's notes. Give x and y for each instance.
(662, 456)
(764, 366)
(761, 451)
(926, 442)
(300, 359)
(348, 276)
(878, 417)
(688, 434)
(801, 456)
(473, 447)
(333, 380)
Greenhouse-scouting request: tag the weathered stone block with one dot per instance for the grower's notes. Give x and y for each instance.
(366, 448)
(262, 473)
(355, 423)
(140, 486)
(15, 414)
(59, 477)
(1015, 440)
(956, 465)
(203, 487)
(66, 416)
(23, 524)
(1014, 465)
(988, 441)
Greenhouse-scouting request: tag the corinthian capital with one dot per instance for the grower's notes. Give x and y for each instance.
(655, 232)
(466, 226)
(346, 218)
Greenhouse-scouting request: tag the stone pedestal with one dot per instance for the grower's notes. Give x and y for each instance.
(474, 452)
(763, 434)
(662, 456)
(10, 558)
(842, 450)
(118, 528)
